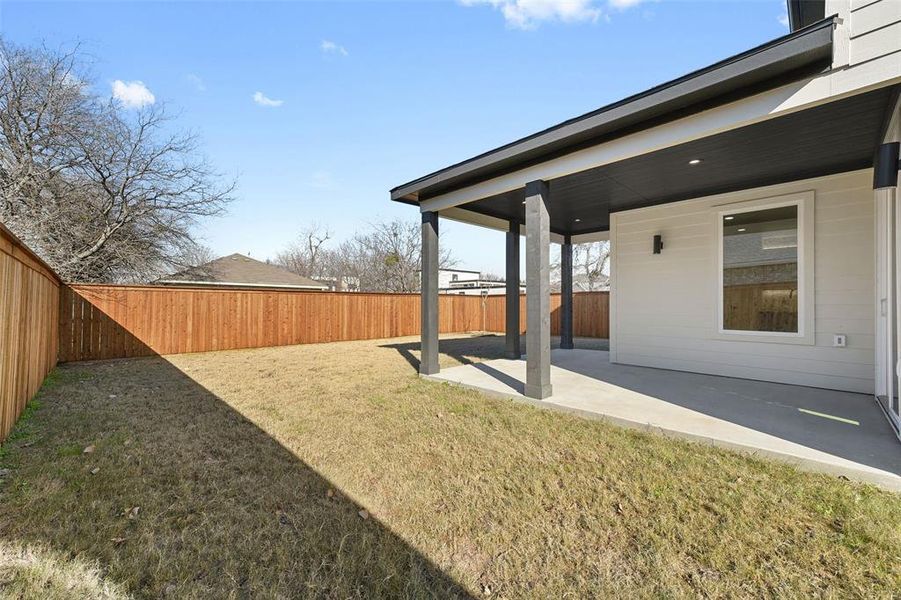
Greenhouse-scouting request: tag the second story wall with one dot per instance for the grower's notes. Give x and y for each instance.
(872, 28)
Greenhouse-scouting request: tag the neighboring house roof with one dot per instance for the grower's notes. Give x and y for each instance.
(808, 49)
(238, 270)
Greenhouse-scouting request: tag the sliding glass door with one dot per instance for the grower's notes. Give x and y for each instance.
(888, 298)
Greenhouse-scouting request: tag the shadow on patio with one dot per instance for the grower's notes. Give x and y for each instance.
(190, 498)
(479, 347)
(839, 430)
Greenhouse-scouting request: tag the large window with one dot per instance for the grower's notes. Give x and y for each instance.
(760, 270)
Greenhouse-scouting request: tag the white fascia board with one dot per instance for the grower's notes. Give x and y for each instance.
(796, 96)
(586, 238)
(461, 215)
(469, 217)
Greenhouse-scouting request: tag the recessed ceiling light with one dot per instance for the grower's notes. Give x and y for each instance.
(694, 161)
(729, 218)
(578, 220)
(740, 229)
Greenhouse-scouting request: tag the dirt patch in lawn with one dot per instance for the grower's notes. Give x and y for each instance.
(334, 471)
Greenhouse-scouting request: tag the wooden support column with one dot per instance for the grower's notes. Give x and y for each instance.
(513, 348)
(538, 292)
(566, 294)
(428, 362)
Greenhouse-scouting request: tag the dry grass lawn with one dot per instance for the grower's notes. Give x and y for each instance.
(334, 471)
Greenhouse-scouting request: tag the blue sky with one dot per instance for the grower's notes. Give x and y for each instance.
(358, 97)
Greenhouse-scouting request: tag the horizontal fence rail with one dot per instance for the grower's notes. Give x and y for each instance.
(113, 321)
(29, 298)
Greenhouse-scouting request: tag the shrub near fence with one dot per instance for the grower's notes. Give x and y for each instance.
(29, 297)
(110, 321)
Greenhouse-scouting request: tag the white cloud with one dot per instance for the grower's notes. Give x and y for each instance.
(261, 99)
(527, 14)
(783, 19)
(621, 4)
(196, 81)
(132, 94)
(329, 47)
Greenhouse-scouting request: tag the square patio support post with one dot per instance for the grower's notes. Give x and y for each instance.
(428, 362)
(566, 293)
(538, 292)
(513, 349)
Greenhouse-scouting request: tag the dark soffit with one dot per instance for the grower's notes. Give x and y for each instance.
(832, 138)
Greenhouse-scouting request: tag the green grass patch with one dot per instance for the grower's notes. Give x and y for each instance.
(341, 474)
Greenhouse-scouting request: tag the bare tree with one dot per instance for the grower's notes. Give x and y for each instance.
(384, 258)
(388, 257)
(591, 267)
(307, 256)
(102, 194)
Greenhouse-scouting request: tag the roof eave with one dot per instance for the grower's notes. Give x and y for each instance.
(810, 45)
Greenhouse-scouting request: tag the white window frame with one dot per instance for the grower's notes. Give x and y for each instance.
(806, 326)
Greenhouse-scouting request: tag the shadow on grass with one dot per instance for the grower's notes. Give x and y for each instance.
(477, 348)
(190, 498)
(462, 349)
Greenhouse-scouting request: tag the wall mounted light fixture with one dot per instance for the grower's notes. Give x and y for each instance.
(658, 243)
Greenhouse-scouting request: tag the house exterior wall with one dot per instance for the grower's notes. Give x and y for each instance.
(446, 277)
(664, 307)
(874, 29)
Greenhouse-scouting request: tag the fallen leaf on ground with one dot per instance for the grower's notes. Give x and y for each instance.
(88, 450)
(118, 540)
(364, 514)
(95, 470)
(131, 513)
(330, 493)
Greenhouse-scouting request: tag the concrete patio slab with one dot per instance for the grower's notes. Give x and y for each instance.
(835, 432)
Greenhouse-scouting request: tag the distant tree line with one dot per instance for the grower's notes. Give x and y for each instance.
(100, 192)
(385, 257)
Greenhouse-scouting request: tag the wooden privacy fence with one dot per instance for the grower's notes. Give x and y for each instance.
(590, 314)
(29, 298)
(111, 321)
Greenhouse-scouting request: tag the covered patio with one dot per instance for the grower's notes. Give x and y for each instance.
(829, 431)
(665, 175)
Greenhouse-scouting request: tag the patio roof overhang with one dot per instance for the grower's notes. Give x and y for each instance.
(773, 114)
(832, 138)
(799, 54)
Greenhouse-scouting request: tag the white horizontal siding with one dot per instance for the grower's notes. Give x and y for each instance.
(875, 30)
(874, 15)
(665, 305)
(858, 4)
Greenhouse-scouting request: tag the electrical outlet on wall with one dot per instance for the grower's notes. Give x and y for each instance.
(839, 340)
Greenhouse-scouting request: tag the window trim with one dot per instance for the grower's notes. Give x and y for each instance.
(806, 326)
